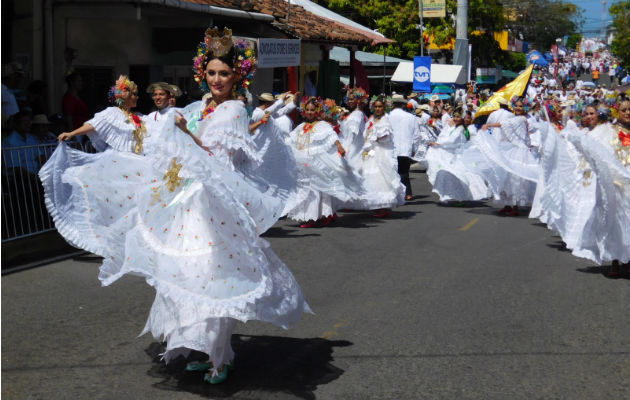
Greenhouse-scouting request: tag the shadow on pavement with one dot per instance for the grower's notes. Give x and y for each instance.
(603, 270)
(559, 245)
(263, 363)
(284, 232)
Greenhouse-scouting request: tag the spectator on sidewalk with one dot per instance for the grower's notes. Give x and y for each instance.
(11, 75)
(73, 107)
(21, 158)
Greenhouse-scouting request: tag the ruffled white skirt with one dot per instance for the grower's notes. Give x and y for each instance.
(197, 245)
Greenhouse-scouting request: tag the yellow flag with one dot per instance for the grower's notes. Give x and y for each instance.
(514, 88)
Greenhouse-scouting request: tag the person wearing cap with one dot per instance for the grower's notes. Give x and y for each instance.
(261, 115)
(404, 129)
(41, 129)
(447, 119)
(161, 93)
(277, 167)
(176, 92)
(412, 98)
(282, 117)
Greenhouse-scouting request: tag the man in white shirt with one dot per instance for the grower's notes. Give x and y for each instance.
(404, 129)
(161, 93)
(283, 121)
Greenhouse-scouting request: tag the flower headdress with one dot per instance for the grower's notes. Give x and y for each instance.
(554, 110)
(115, 94)
(357, 94)
(331, 111)
(317, 101)
(217, 45)
(527, 103)
(387, 102)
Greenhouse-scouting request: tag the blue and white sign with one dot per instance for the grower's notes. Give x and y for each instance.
(422, 74)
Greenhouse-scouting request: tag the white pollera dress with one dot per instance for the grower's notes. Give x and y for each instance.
(172, 217)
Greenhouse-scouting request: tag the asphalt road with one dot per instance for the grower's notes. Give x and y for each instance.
(435, 302)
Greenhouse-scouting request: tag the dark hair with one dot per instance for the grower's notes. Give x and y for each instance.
(380, 98)
(312, 100)
(228, 58)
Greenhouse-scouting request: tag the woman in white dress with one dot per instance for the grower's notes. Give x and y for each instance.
(352, 126)
(222, 127)
(508, 149)
(607, 150)
(323, 173)
(455, 165)
(381, 182)
(189, 235)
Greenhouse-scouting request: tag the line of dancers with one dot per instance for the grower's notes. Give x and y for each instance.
(181, 196)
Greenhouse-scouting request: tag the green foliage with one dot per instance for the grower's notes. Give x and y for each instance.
(573, 41)
(398, 20)
(541, 22)
(515, 61)
(621, 21)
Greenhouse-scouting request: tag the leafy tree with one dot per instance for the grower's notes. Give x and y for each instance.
(541, 22)
(621, 21)
(398, 20)
(574, 40)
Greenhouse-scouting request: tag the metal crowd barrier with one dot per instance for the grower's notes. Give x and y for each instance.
(23, 209)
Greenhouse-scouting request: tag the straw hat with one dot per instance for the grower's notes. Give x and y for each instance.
(266, 97)
(399, 98)
(290, 98)
(425, 107)
(412, 95)
(175, 90)
(435, 97)
(40, 119)
(159, 86)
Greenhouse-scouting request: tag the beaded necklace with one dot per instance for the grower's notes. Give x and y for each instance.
(304, 138)
(140, 130)
(208, 110)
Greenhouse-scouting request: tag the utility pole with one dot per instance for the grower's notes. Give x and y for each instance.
(460, 56)
(420, 11)
(604, 15)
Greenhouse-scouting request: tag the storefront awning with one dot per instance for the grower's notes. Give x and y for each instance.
(440, 73)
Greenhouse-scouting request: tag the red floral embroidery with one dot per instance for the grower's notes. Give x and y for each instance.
(625, 138)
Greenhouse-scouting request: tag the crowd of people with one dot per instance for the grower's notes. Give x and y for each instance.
(181, 196)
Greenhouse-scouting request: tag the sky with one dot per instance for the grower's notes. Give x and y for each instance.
(593, 15)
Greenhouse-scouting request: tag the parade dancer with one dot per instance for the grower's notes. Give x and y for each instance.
(383, 189)
(185, 231)
(323, 173)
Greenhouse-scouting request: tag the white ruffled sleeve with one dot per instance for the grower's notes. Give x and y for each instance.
(226, 131)
(112, 130)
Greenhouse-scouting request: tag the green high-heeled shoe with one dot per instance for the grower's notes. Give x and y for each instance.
(195, 366)
(219, 378)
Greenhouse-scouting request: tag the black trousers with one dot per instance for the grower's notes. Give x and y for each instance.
(403, 170)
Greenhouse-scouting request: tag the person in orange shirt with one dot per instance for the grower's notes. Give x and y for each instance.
(596, 76)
